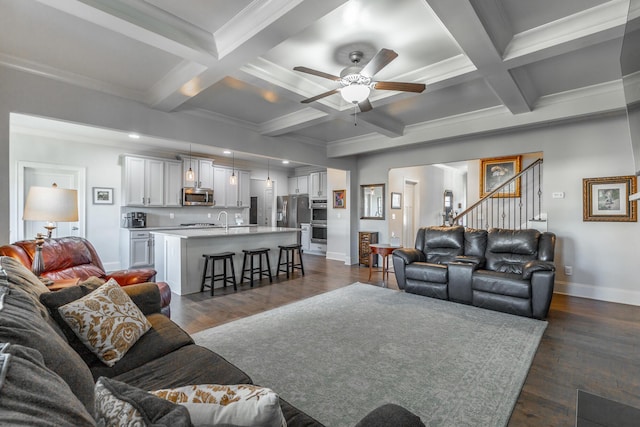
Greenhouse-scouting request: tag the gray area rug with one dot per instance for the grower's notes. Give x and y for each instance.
(339, 355)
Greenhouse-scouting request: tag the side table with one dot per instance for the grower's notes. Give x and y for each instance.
(384, 250)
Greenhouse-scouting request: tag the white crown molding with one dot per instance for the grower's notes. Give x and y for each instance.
(249, 22)
(291, 122)
(598, 19)
(70, 78)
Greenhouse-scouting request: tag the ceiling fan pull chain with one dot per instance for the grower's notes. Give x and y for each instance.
(355, 114)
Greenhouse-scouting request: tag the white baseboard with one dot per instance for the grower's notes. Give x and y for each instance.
(621, 296)
(336, 256)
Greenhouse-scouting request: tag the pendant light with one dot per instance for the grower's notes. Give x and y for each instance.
(233, 179)
(269, 182)
(190, 176)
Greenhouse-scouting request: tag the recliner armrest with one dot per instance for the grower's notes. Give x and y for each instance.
(469, 259)
(410, 255)
(536, 265)
(146, 296)
(131, 277)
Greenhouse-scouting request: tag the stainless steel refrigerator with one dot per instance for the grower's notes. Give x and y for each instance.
(293, 210)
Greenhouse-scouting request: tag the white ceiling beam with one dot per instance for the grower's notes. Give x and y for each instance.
(145, 23)
(285, 18)
(588, 27)
(465, 26)
(293, 122)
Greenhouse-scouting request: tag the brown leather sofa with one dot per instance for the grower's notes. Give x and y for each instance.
(75, 257)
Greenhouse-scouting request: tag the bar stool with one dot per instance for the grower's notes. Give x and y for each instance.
(222, 256)
(289, 263)
(259, 252)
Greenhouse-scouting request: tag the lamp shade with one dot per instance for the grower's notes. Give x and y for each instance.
(51, 204)
(355, 93)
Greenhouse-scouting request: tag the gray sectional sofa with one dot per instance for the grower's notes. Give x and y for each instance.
(47, 376)
(499, 269)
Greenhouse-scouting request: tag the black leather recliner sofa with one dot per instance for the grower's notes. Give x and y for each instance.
(504, 270)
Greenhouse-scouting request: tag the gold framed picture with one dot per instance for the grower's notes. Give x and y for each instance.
(607, 199)
(497, 171)
(339, 199)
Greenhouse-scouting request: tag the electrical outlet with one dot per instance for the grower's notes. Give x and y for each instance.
(171, 215)
(393, 216)
(558, 195)
(209, 215)
(568, 270)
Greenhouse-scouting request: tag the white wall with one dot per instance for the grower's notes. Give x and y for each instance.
(602, 254)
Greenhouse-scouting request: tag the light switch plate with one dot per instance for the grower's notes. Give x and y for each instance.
(558, 195)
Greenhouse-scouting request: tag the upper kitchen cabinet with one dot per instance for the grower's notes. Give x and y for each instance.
(231, 196)
(299, 185)
(202, 172)
(318, 186)
(143, 181)
(173, 183)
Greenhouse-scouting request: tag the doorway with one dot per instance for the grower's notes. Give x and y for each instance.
(44, 175)
(409, 214)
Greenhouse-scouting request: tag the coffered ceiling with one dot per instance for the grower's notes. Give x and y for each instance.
(487, 64)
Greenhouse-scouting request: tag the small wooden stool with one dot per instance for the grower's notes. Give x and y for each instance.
(251, 270)
(223, 256)
(289, 263)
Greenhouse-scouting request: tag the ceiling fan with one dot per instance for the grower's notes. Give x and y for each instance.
(357, 81)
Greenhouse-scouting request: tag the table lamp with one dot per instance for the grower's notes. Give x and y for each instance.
(50, 204)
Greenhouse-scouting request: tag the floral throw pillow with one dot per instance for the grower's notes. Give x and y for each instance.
(106, 321)
(240, 405)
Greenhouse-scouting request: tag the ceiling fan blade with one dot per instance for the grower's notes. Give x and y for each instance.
(322, 95)
(402, 87)
(378, 62)
(365, 106)
(316, 73)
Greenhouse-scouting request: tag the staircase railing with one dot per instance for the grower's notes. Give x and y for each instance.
(503, 208)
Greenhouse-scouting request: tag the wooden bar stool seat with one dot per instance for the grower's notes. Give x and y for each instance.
(224, 276)
(249, 271)
(289, 263)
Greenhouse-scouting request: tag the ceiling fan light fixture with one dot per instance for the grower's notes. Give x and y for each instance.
(355, 93)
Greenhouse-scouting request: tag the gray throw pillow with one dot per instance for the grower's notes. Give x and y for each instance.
(33, 395)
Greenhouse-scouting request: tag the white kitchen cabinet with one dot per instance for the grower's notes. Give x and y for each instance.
(244, 189)
(231, 196)
(202, 171)
(143, 181)
(318, 185)
(136, 249)
(299, 185)
(220, 184)
(173, 184)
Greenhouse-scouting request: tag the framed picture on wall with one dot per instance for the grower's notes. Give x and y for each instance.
(396, 200)
(102, 196)
(496, 172)
(339, 199)
(607, 199)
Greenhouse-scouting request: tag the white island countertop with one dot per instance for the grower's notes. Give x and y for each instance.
(192, 233)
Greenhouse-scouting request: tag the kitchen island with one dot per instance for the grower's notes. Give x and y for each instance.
(178, 253)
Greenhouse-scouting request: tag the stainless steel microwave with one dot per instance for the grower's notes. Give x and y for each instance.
(197, 196)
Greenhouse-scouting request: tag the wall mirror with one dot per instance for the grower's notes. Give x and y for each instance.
(372, 201)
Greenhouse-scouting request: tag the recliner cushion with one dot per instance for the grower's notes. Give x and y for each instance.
(508, 250)
(443, 244)
(427, 272)
(501, 283)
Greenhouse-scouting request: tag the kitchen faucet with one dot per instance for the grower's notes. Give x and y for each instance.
(226, 219)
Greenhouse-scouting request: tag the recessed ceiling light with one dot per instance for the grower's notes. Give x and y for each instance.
(285, 162)
(227, 152)
(134, 136)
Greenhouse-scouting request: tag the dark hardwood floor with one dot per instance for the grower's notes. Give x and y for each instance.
(589, 345)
